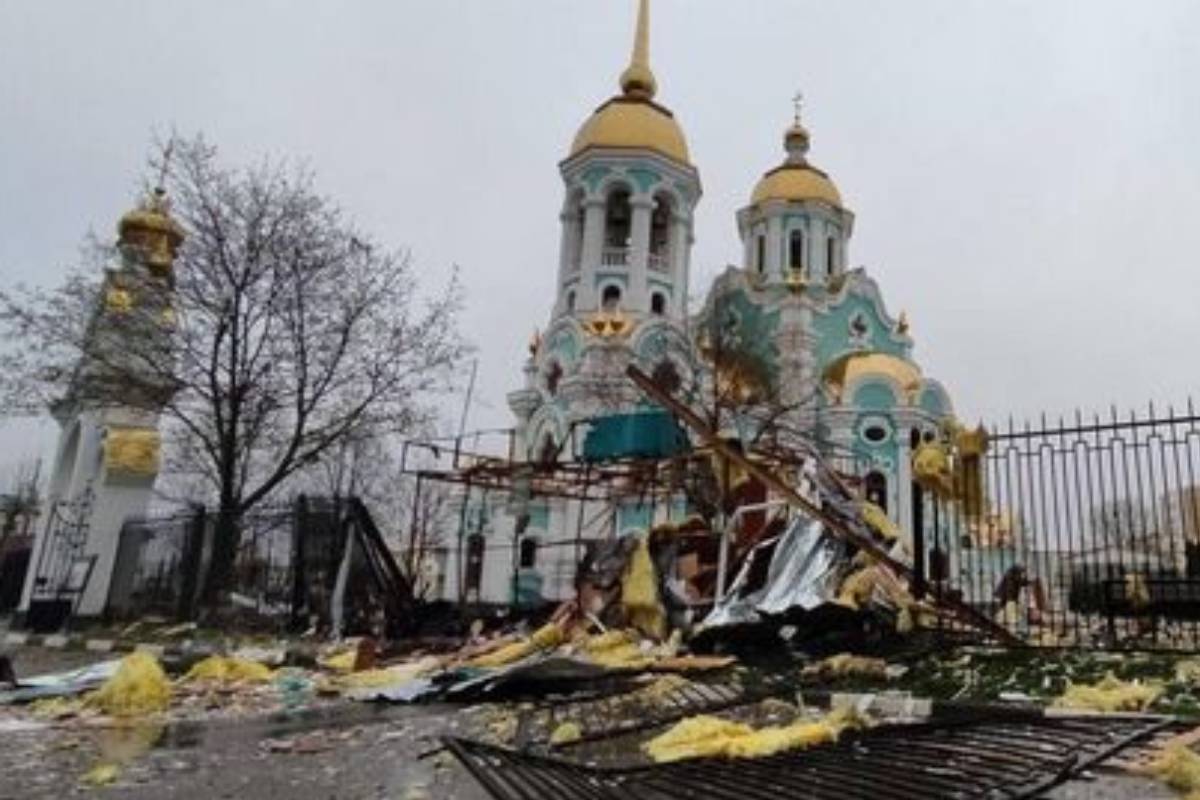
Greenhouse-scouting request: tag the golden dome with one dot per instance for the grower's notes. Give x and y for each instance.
(632, 119)
(633, 123)
(846, 370)
(796, 179)
(150, 228)
(796, 182)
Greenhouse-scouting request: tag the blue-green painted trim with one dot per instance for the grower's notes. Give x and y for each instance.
(592, 176)
(644, 177)
(620, 277)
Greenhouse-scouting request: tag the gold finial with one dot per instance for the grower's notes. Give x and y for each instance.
(902, 323)
(637, 80)
(795, 138)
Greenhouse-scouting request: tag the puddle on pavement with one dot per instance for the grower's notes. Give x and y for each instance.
(189, 734)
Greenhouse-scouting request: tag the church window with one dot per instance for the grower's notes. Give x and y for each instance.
(475, 551)
(796, 249)
(549, 451)
(553, 375)
(939, 565)
(830, 255)
(617, 219)
(571, 300)
(760, 261)
(876, 489)
(875, 434)
(529, 548)
(658, 304)
(666, 376)
(610, 300)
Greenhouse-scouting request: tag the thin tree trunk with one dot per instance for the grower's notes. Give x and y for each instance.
(226, 538)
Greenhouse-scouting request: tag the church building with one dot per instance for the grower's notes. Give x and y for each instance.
(793, 330)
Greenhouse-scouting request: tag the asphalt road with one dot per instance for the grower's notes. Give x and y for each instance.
(361, 753)
(348, 752)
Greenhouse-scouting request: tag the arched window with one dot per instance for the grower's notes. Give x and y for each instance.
(666, 376)
(796, 249)
(549, 451)
(658, 303)
(877, 489)
(610, 300)
(617, 219)
(553, 375)
(475, 551)
(830, 255)
(660, 232)
(760, 260)
(528, 556)
(571, 300)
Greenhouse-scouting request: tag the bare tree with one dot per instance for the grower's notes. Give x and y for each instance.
(291, 332)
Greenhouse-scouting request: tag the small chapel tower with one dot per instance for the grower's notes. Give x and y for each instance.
(796, 228)
(108, 449)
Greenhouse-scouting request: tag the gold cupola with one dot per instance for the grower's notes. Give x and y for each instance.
(150, 230)
(632, 120)
(796, 179)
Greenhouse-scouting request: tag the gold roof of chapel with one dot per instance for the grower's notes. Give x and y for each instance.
(632, 119)
(846, 370)
(796, 179)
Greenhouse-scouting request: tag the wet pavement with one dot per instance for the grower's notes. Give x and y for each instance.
(346, 751)
(354, 751)
(358, 752)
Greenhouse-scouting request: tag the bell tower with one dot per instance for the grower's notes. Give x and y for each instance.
(621, 287)
(108, 453)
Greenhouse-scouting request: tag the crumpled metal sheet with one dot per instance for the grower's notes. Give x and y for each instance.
(805, 571)
(61, 684)
(540, 670)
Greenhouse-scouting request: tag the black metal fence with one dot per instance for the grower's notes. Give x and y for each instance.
(286, 563)
(1084, 532)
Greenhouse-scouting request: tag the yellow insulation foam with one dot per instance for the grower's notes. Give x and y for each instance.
(1109, 695)
(712, 737)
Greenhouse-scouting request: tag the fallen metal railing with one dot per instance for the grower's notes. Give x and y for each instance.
(984, 757)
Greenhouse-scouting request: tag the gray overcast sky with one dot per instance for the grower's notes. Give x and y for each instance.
(1025, 175)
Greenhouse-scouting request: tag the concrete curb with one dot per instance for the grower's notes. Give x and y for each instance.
(59, 641)
(296, 654)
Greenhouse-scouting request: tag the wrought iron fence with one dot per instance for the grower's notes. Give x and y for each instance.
(1084, 532)
(286, 559)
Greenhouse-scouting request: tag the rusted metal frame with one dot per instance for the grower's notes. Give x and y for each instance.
(835, 525)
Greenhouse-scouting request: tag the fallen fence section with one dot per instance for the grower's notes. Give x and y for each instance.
(982, 758)
(634, 711)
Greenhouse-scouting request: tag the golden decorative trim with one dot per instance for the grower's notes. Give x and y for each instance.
(132, 452)
(118, 300)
